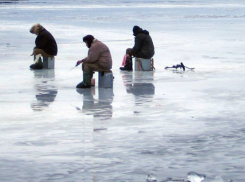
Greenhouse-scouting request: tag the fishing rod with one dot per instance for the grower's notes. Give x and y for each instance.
(78, 63)
(181, 65)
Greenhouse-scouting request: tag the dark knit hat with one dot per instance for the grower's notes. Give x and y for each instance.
(136, 29)
(88, 39)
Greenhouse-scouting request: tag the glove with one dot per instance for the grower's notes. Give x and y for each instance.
(78, 62)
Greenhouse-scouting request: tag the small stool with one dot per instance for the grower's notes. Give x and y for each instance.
(141, 64)
(105, 79)
(48, 62)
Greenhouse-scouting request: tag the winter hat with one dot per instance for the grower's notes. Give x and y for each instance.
(88, 39)
(136, 29)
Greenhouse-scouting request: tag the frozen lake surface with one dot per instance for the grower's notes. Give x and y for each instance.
(166, 123)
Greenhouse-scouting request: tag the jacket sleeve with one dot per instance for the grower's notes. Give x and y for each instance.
(93, 54)
(137, 45)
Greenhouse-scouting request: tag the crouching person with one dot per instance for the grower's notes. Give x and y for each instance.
(45, 45)
(143, 47)
(98, 59)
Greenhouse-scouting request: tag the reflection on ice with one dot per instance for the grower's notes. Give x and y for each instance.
(46, 95)
(45, 91)
(141, 89)
(99, 109)
(143, 76)
(140, 85)
(44, 73)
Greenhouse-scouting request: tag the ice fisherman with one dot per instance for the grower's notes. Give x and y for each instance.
(143, 47)
(98, 59)
(45, 44)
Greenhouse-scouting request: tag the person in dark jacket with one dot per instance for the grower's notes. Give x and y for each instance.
(143, 47)
(45, 44)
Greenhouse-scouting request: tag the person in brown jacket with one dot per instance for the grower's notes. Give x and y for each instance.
(98, 59)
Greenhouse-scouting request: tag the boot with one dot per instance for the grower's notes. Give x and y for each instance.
(128, 66)
(38, 64)
(86, 83)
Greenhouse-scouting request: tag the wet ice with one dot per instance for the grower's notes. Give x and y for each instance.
(164, 122)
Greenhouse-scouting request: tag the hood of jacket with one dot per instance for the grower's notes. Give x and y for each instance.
(141, 31)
